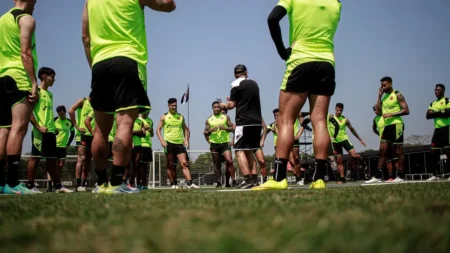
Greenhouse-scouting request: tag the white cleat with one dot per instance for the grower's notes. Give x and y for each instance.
(35, 190)
(433, 178)
(301, 182)
(398, 180)
(63, 190)
(174, 186)
(193, 186)
(373, 180)
(81, 189)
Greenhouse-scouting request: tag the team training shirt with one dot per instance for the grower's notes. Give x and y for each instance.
(43, 111)
(117, 28)
(65, 131)
(313, 24)
(338, 128)
(378, 122)
(245, 92)
(138, 125)
(147, 139)
(173, 128)
(437, 106)
(390, 104)
(87, 111)
(218, 136)
(78, 122)
(10, 52)
(275, 135)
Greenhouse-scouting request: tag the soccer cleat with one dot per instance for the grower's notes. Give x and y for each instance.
(81, 189)
(373, 180)
(301, 182)
(35, 190)
(433, 178)
(174, 186)
(119, 189)
(218, 185)
(100, 189)
(398, 180)
(63, 190)
(193, 186)
(272, 185)
(131, 187)
(318, 184)
(1, 189)
(18, 189)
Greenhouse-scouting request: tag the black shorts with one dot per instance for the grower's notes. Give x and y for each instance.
(247, 137)
(86, 141)
(175, 149)
(339, 147)
(146, 155)
(119, 83)
(441, 138)
(136, 150)
(61, 153)
(219, 148)
(316, 78)
(296, 143)
(110, 155)
(393, 133)
(10, 95)
(78, 143)
(43, 145)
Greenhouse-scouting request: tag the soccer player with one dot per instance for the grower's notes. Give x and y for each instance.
(18, 89)
(310, 74)
(377, 128)
(146, 152)
(259, 157)
(439, 111)
(175, 141)
(230, 172)
(217, 132)
(43, 134)
(392, 106)
(244, 96)
(65, 132)
(339, 125)
(82, 108)
(133, 166)
(115, 43)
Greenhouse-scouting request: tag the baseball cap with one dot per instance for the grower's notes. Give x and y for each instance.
(240, 69)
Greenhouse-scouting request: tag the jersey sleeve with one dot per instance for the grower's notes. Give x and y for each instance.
(233, 94)
(430, 107)
(270, 126)
(287, 4)
(150, 123)
(447, 103)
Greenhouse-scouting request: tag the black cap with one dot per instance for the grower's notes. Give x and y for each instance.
(240, 69)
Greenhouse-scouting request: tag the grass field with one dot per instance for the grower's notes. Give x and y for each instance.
(394, 218)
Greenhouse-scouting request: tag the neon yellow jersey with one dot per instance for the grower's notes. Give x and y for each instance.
(173, 128)
(147, 139)
(78, 121)
(117, 28)
(112, 133)
(10, 52)
(87, 111)
(437, 106)
(296, 126)
(313, 24)
(338, 124)
(138, 125)
(218, 136)
(390, 104)
(43, 110)
(379, 123)
(63, 127)
(275, 135)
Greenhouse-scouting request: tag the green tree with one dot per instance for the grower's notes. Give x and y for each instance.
(417, 140)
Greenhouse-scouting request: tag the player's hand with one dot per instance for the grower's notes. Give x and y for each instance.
(381, 92)
(163, 144)
(296, 138)
(213, 129)
(227, 98)
(34, 96)
(82, 130)
(387, 115)
(261, 143)
(362, 143)
(284, 54)
(143, 132)
(223, 106)
(42, 129)
(231, 144)
(186, 144)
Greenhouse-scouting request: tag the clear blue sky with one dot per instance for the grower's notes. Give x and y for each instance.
(202, 41)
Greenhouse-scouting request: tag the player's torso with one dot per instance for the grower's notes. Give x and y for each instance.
(147, 139)
(437, 106)
(390, 104)
(173, 128)
(43, 110)
(218, 136)
(63, 126)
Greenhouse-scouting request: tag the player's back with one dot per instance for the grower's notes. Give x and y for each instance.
(117, 28)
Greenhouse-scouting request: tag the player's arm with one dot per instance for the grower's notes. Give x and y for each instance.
(151, 130)
(33, 122)
(229, 127)
(374, 127)
(72, 135)
(378, 109)
(86, 37)
(431, 114)
(187, 133)
(231, 104)
(206, 132)
(273, 21)
(27, 25)
(159, 5)
(404, 106)
(352, 129)
(72, 110)
(158, 131)
(87, 122)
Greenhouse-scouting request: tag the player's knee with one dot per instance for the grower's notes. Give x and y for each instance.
(184, 165)
(262, 162)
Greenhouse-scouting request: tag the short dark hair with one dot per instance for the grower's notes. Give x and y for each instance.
(45, 71)
(225, 110)
(386, 79)
(340, 105)
(171, 101)
(276, 110)
(240, 69)
(441, 85)
(61, 108)
(215, 102)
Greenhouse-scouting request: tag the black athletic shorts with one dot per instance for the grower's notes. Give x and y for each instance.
(146, 155)
(10, 95)
(441, 138)
(117, 84)
(43, 145)
(61, 153)
(175, 150)
(393, 133)
(317, 78)
(86, 141)
(136, 150)
(296, 143)
(110, 155)
(339, 147)
(247, 137)
(220, 148)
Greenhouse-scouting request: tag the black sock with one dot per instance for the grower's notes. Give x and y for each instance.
(57, 185)
(297, 179)
(400, 174)
(189, 182)
(264, 179)
(101, 177)
(391, 175)
(379, 174)
(117, 175)
(30, 185)
(85, 184)
(254, 178)
(280, 169)
(247, 179)
(321, 168)
(234, 182)
(50, 186)
(13, 170)
(2, 172)
(78, 182)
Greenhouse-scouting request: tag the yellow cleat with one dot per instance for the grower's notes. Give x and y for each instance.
(319, 184)
(272, 185)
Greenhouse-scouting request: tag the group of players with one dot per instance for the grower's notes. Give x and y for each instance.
(115, 45)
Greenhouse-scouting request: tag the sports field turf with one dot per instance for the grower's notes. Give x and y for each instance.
(393, 218)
